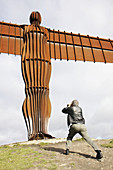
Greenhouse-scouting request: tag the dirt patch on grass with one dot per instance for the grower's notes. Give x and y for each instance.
(82, 156)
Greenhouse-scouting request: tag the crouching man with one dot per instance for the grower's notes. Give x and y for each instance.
(76, 122)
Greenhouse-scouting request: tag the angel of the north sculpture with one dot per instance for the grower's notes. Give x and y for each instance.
(37, 45)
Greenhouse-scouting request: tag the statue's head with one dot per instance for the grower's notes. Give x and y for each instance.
(35, 18)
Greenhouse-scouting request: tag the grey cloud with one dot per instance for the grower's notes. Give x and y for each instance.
(12, 126)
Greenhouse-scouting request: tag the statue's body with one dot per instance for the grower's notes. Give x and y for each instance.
(36, 70)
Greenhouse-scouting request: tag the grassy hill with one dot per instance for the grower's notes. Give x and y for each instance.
(49, 155)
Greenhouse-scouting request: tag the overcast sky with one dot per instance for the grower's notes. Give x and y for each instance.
(90, 83)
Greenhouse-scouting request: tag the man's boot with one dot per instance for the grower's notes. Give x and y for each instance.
(67, 151)
(99, 154)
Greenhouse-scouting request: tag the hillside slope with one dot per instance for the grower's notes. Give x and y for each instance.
(45, 155)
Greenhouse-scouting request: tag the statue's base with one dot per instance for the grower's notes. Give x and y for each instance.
(40, 135)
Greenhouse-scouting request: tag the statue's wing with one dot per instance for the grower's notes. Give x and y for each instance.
(11, 38)
(62, 45)
(69, 46)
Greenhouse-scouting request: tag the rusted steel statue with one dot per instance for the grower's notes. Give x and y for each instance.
(37, 45)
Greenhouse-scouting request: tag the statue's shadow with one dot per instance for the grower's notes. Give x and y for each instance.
(62, 151)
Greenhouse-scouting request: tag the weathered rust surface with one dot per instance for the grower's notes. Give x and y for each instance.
(61, 45)
(36, 70)
(11, 38)
(71, 46)
(37, 45)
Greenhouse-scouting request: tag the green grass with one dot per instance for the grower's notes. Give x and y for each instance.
(22, 157)
(52, 167)
(79, 139)
(43, 144)
(72, 164)
(108, 145)
(111, 141)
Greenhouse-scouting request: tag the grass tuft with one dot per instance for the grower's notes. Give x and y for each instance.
(80, 139)
(108, 145)
(43, 144)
